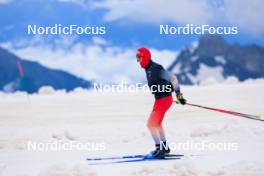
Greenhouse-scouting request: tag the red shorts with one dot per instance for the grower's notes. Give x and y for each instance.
(159, 109)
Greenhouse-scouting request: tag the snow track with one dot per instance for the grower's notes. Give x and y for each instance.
(118, 122)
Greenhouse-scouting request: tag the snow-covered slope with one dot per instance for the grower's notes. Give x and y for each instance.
(117, 122)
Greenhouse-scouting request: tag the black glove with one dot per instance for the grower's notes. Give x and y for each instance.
(180, 98)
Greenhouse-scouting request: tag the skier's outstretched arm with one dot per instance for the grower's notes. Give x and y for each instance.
(175, 83)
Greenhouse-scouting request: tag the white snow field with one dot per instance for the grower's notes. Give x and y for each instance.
(114, 124)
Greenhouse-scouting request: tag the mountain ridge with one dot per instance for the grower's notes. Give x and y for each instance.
(212, 52)
(34, 75)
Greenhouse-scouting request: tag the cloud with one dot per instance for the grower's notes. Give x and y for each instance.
(73, 1)
(106, 64)
(181, 11)
(5, 1)
(246, 14)
(99, 41)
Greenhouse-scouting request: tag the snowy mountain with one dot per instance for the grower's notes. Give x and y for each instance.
(212, 56)
(32, 75)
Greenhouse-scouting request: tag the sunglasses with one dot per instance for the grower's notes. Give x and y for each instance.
(138, 55)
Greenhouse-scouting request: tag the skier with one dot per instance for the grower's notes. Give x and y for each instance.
(162, 83)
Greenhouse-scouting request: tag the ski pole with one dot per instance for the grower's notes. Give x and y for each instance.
(254, 117)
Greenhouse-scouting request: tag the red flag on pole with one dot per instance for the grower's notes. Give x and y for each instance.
(20, 69)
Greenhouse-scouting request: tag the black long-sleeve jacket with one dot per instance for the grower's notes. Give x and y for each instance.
(161, 82)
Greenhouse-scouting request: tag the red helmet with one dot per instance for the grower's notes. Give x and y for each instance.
(145, 55)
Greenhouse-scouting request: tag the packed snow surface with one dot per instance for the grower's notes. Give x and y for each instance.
(114, 124)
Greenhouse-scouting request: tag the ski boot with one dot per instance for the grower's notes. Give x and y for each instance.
(159, 154)
(156, 154)
(157, 146)
(165, 147)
